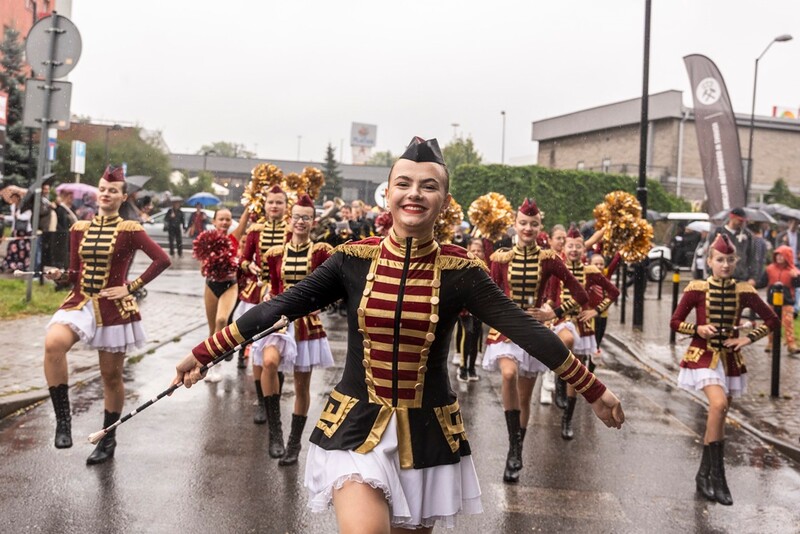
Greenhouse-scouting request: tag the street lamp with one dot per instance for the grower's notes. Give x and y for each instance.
(503, 145)
(115, 127)
(779, 39)
(299, 138)
(455, 125)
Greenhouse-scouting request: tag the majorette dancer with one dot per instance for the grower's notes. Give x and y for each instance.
(522, 272)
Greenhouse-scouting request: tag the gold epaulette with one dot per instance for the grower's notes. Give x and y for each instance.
(744, 287)
(129, 226)
(255, 227)
(367, 252)
(696, 285)
(591, 269)
(548, 254)
(276, 250)
(80, 226)
(502, 255)
(452, 263)
(322, 246)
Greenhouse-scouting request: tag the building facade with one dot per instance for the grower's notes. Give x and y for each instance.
(606, 139)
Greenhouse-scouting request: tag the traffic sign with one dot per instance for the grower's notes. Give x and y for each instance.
(67, 48)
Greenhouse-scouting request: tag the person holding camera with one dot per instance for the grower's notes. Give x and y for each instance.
(782, 270)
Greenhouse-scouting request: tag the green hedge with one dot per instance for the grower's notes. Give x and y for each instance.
(563, 195)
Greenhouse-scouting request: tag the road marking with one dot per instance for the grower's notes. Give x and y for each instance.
(531, 500)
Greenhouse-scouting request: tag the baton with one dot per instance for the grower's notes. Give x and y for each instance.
(21, 274)
(97, 436)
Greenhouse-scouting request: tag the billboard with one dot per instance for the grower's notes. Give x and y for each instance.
(785, 112)
(363, 134)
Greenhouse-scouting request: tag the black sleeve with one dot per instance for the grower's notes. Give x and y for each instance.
(322, 287)
(486, 301)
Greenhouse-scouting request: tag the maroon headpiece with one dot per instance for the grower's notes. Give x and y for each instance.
(529, 208)
(275, 189)
(574, 233)
(113, 174)
(305, 201)
(723, 244)
(543, 240)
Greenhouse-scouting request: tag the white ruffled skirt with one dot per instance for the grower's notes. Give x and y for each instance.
(697, 379)
(582, 345)
(241, 309)
(527, 365)
(284, 343)
(313, 353)
(417, 497)
(117, 338)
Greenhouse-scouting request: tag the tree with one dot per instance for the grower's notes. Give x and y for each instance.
(226, 149)
(382, 159)
(781, 194)
(18, 166)
(461, 152)
(333, 180)
(142, 157)
(187, 188)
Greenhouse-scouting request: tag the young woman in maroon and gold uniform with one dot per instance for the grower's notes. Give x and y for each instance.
(254, 274)
(390, 447)
(522, 272)
(100, 310)
(713, 362)
(578, 323)
(288, 264)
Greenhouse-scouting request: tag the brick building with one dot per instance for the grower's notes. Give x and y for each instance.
(606, 139)
(21, 14)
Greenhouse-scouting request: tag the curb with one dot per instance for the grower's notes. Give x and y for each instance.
(21, 401)
(788, 449)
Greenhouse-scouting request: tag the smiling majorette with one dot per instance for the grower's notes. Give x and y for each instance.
(390, 446)
(522, 272)
(100, 310)
(713, 363)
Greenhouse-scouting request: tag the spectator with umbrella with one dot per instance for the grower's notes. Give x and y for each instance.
(175, 225)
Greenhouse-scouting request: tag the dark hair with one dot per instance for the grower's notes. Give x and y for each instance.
(222, 209)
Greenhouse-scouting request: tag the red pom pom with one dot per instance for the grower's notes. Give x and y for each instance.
(215, 250)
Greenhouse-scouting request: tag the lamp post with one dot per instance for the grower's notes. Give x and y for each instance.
(455, 126)
(115, 127)
(205, 157)
(299, 139)
(503, 144)
(779, 39)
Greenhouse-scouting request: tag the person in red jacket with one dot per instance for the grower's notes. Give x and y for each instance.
(100, 310)
(713, 363)
(782, 270)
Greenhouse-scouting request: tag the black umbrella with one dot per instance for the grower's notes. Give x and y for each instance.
(753, 215)
(135, 183)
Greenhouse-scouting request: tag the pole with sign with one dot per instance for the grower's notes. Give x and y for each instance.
(77, 160)
(53, 47)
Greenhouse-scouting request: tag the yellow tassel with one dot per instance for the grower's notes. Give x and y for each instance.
(80, 226)
(367, 252)
(130, 226)
(322, 246)
(744, 287)
(450, 263)
(256, 227)
(696, 285)
(502, 255)
(276, 250)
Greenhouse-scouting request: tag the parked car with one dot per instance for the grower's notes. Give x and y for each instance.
(660, 258)
(155, 226)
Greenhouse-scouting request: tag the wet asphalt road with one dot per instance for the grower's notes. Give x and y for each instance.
(196, 463)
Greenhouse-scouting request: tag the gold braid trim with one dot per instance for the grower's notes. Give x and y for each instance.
(502, 255)
(81, 226)
(758, 333)
(135, 285)
(322, 246)
(744, 287)
(604, 305)
(275, 250)
(569, 306)
(696, 285)
(591, 269)
(255, 227)
(452, 263)
(367, 252)
(687, 328)
(129, 226)
(547, 254)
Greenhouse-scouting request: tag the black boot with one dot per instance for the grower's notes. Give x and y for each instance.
(566, 419)
(514, 458)
(276, 448)
(293, 445)
(718, 483)
(240, 363)
(281, 378)
(260, 417)
(703, 477)
(522, 432)
(105, 449)
(60, 397)
(561, 393)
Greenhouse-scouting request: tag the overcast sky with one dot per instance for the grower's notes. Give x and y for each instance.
(263, 73)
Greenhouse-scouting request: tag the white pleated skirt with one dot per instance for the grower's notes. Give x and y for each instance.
(527, 365)
(697, 379)
(313, 353)
(582, 345)
(284, 343)
(417, 497)
(241, 309)
(117, 338)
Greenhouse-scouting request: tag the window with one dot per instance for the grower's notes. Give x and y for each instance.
(580, 166)
(606, 166)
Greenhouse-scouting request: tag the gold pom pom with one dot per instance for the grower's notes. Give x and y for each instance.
(624, 230)
(295, 183)
(443, 230)
(315, 180)
(263, 177)
(492, 215)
